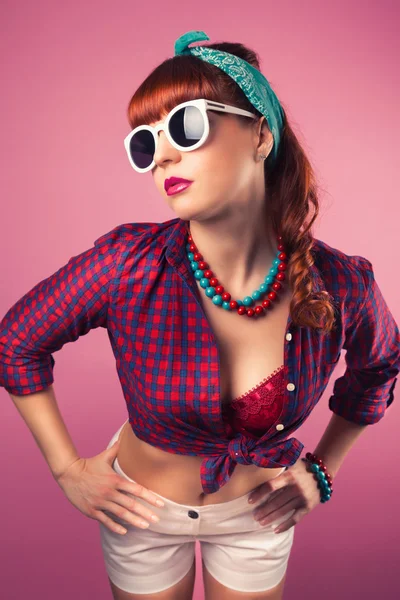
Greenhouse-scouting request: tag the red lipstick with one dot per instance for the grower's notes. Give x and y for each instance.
(174, 185)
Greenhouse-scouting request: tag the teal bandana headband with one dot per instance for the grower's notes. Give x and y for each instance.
(249, 79)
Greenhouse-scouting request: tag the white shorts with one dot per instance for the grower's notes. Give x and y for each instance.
(237, 551)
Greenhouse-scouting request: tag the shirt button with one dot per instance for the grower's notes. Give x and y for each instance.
(236, 453)
(288, 337)
(279, 427)
(290, 387)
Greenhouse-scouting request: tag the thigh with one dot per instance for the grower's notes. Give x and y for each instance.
(252, 560)
(215, 590)
(145, 561)
(183, 590)
(152, 560)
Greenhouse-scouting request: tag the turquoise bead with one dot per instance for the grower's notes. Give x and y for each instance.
(247, 301)
(210, 291)
(217, 299)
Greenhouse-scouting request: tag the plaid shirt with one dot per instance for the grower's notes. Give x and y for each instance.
(136, 282)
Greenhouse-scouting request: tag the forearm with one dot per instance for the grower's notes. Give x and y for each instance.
(41, 414)
(336, 442)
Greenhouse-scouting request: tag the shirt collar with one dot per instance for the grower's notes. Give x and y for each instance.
(175, 247)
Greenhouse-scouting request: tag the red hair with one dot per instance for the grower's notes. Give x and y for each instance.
(291, 188)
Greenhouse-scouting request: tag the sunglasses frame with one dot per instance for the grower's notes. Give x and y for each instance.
(203, 105)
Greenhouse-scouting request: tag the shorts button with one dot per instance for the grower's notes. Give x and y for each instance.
(193, 514)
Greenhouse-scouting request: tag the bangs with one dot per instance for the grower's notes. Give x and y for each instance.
(178, 79)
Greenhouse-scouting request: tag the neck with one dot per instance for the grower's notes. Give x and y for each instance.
(240, 253)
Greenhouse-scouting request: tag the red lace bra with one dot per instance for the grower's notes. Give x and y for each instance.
(256, 410)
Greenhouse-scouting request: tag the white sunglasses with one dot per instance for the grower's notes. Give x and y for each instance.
(186, 127)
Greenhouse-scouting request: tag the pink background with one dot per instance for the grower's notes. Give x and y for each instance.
(68, 72)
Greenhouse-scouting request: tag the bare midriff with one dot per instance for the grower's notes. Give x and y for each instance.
(177, 476)
(248, 352)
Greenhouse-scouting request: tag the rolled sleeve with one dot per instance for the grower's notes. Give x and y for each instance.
(372, 342)
(59, 309)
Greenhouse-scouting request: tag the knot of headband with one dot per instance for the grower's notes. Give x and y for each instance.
(253, 83)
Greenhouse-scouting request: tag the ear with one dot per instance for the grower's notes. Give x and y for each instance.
(264, 138)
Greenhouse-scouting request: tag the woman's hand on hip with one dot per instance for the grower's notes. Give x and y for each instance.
(294, 489)
(93, 487)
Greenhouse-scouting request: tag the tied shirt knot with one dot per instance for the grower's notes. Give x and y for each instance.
(239, 450)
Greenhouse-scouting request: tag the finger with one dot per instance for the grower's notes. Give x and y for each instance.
(268, 514)
(268, 487)
(107, 522)
(280, 498)
(136, 489)
(130, 503)
(119, 512)
(261, 491)
(293, 520)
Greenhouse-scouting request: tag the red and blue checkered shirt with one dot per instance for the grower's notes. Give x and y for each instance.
(137, 282)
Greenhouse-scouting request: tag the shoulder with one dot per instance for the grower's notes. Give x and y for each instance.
(128, 237)
(343, 274)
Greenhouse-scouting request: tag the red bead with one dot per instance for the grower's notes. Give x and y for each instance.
(226, 296)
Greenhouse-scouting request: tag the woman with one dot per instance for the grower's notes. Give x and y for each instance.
(212, 392)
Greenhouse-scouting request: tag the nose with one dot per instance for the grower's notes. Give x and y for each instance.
(165, 152)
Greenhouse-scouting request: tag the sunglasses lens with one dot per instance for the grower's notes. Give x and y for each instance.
(187, 126)
(141, 148)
